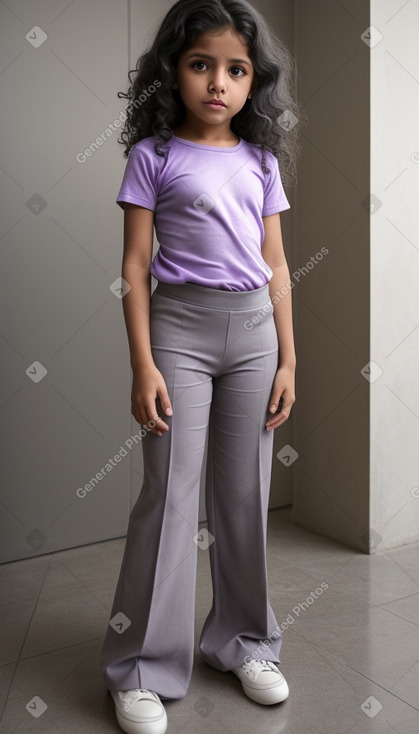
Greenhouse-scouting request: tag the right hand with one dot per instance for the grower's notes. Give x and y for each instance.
(147, 385)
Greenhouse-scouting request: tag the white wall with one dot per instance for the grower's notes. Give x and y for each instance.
(394, 477)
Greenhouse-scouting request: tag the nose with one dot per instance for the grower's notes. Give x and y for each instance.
(218, 82)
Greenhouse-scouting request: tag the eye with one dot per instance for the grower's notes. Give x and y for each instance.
(235, 68)
(240, 69)
(198, 62)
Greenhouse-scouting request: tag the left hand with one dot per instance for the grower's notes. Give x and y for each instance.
(283, 387)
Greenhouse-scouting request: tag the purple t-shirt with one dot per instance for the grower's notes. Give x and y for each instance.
(209, 203)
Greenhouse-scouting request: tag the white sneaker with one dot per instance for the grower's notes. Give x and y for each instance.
(140, 711)
(262, 681)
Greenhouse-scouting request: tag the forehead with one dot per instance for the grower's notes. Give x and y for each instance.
(220, 44)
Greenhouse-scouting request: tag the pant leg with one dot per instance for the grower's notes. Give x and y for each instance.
(156, 586)
(237, 494)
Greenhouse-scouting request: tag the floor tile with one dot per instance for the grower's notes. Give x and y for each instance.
(372, 641)
(407, 608)
(67, 619)
(6, 677)
(297, 595)
(14, 624)
(68, 685)
(350, 654)
(407, 557)
(23, 580)
(376, 578)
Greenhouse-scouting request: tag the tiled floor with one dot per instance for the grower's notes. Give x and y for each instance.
(350, 656)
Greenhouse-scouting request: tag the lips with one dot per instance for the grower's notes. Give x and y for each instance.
(217, 102)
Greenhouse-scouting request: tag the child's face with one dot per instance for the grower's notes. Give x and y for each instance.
(200, 79)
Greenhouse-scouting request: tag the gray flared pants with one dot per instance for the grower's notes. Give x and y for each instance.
(218, 353)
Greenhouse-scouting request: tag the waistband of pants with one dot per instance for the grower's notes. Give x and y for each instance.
(215, 298)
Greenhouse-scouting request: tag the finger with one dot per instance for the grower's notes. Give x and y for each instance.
(157, 425)
(138, 413)
(165, 400)
(275, 400)
(146, 415)
(154, 423)
(276, 424)
(280, 417)
(141, 415)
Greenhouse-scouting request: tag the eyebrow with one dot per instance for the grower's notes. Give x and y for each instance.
(207, 56)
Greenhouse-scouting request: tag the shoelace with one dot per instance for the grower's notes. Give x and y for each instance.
(264, 664)
(255, 667)
(130, 697)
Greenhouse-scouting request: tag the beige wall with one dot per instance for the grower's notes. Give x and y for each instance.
(331, 474)
(356, 476)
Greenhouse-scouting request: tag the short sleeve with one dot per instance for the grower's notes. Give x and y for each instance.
(139, 183)
(274, 194)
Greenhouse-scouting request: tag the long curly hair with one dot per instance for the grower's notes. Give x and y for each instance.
(270, 119)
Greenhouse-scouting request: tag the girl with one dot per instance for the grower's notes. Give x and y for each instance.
(211, 348)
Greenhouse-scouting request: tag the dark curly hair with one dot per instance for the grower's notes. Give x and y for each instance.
(270, 119)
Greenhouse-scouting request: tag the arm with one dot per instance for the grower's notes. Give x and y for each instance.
(148, 383)
(284, 383)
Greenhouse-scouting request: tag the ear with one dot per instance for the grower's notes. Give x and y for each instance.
(252, 91)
